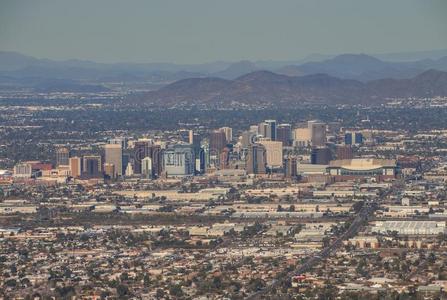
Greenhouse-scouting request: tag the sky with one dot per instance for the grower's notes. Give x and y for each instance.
(197, 31)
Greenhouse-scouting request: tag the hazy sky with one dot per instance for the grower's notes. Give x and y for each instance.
(191, 31)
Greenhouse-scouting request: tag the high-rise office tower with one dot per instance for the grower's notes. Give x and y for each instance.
(119, 140)
(146, 167)
(114, 155)
(140, 151)
(206, 154)
(317, 133)
(109, 170)
(91, 166)
(274, 153)
(320, 156)
(228, 133)
(256, 161)
(125, 161)
(76, 166)
(353, 138)
(201, 161)
(191, 137)
(348, 138)
(290, 167)
(262, 129)
(156, 155)
(62, 156)
(179, 160)
(358, 138)
(333, 127)
(254, 129)
(225, 158)
(270, 129)
(344, 152)
(301, 137)
(248, 138)
(284, 134)
(194, 139)
(128, 170)
(218, 141)
(184, 135)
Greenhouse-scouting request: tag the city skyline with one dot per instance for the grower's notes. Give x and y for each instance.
(216, 150)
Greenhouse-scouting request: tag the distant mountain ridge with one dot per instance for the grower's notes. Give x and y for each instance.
(365, 68)
(17, 70)
(237, 69)
(265, 87)
(352, 66)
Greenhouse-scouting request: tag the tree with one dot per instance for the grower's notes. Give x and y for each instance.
(159, 293)
(256, 284)
(124, 276)
(122, 291)
(66, 292)
(146, 280)
(11, 283)
(176, 290)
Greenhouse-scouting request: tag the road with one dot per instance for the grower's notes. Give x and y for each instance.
(362, 216)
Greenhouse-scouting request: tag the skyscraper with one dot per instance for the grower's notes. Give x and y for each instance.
(62, 156)
(284, 134)
(224, 158)
(248, 137)
(109, 171)
(91, 166)
(218, 141)
(274, 154)
(119, 140)
(125, 161)
(228, 133)
(301, 137)
(75, 166)
(191, 137)
(206, 155)
(290, 167)
(262, 129)
(129, 170)
(353, 138)
(333, 127)
(179, 160)
(141, 150)
(270, 129)
(254, 129)
(146, 167)
(256, 159)
(184, 135)
(320, 156)
(156, 155)
(344, 152)
(317, 133)
(201, 161)
(114, 155)
(194, 139)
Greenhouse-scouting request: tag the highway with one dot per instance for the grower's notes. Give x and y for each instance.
(310, 262)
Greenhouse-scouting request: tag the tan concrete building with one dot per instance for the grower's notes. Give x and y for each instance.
(75, 166)
(114, 155)
(274, 153)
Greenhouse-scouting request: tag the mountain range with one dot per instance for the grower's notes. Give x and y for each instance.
(352, 66)
(271, 89)
(346, 76)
